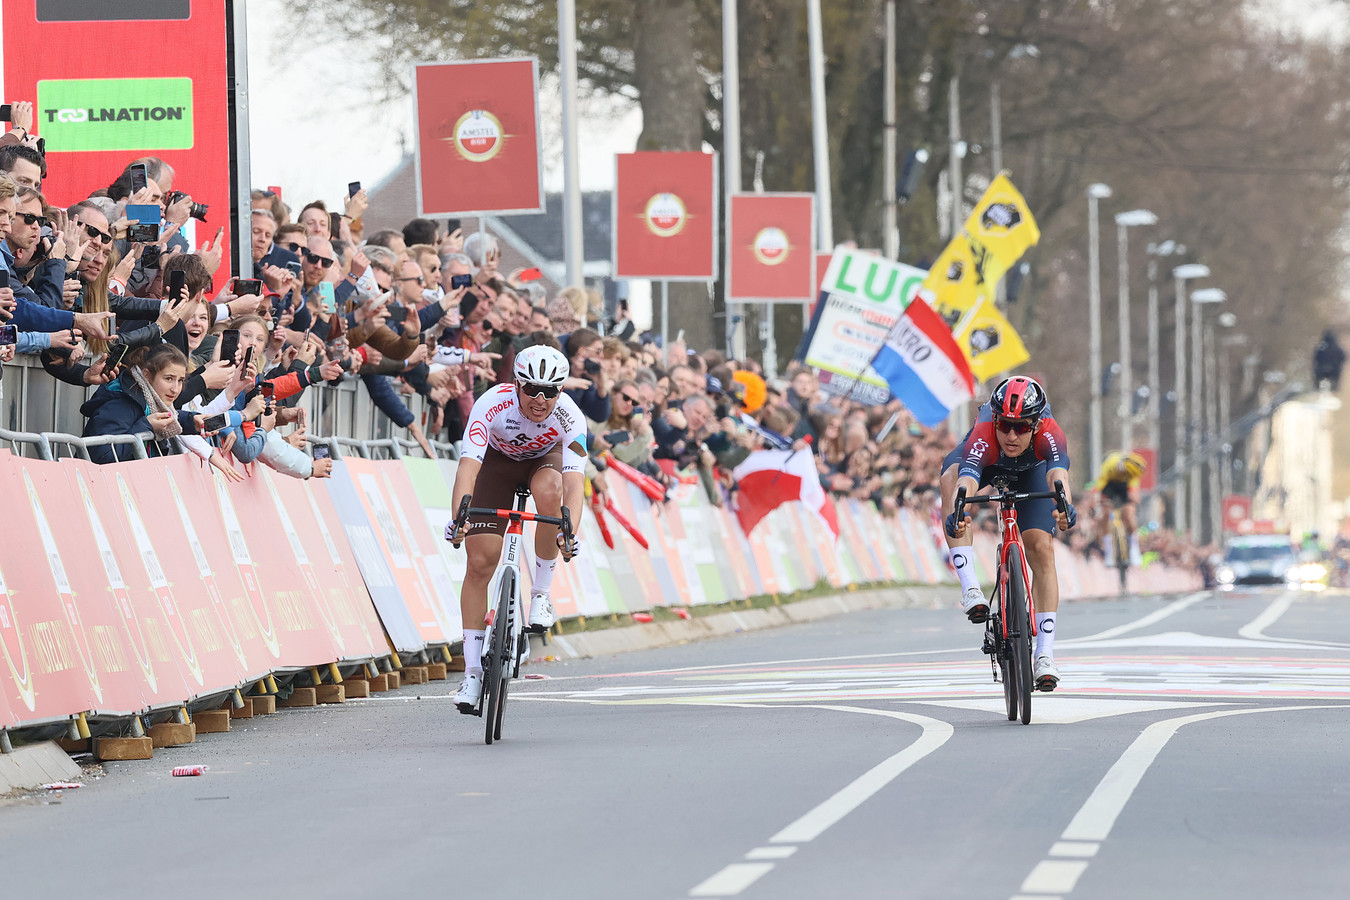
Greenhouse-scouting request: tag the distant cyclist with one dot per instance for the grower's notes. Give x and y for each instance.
(1015, 437)
(521, 433)
(1118, 481)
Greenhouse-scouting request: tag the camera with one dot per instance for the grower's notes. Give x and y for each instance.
(197, 211)
(143, 233)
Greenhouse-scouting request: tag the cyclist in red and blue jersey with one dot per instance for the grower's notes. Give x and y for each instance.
(1015, 438)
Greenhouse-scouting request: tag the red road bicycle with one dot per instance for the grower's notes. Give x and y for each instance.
(1010, 631)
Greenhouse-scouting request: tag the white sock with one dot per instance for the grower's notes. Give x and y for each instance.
(473, 650)
(543, 574)
(964, 562)
(1045, 634)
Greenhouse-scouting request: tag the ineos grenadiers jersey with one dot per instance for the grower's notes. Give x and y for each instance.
(496, 421)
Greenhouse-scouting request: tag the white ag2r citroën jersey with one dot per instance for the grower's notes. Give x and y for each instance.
(497, 421)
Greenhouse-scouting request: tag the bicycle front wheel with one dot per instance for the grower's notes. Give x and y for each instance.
(497, 663)
(1018, 610)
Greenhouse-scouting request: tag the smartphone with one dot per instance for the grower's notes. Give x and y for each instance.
(530, 275)
(4, 278)
(6, 113)
(115, 356)
(139, 179)
(321, 452)
(353, 188)
(216, 423)
(140, 233)
(327, 302)
(618, 437)
(268, 391)
(294, 267)
(147, 217)
(460, 281)
(229, 345)
(9, 335)
(111, 326)
(452, 225)
(248, 356)
(591, 367)
(244, 287)
(177, 285)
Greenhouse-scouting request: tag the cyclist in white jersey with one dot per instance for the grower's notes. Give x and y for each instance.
(523, 433)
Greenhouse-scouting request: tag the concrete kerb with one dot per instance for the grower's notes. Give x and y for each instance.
(35, 765)
(664, 634)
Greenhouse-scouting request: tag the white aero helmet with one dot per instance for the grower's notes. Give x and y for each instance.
(541, 365)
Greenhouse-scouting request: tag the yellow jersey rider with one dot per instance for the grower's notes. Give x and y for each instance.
(1118, 482)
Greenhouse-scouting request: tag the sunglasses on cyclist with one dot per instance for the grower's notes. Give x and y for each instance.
(315, 259)
(93, 232)
(547, 391)
(1015, 426)
(34, 219)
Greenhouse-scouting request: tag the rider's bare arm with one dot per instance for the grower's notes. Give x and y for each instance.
(465, 477)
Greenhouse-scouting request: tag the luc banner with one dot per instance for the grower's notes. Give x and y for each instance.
(771, 256)
(477, 126)
(665, 216)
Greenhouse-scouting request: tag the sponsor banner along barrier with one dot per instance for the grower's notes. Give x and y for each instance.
(145, 585)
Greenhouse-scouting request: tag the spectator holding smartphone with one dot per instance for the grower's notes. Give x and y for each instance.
(588, 385)
(626, 433)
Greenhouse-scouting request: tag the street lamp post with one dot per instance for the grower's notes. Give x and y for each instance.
(1166, 248)
(1200, 298)
(1124, 222)
(1095, 192)
(1225, 482)
(1181, 274)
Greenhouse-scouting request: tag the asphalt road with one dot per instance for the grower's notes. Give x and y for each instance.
(1197, 748)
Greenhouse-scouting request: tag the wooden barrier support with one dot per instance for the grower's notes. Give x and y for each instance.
(394, 679)
(211, 721)
(330, 693)
(357, 688)
(264, 706)
(436, 672)
(378, 683)
(242, 712)
(119, 748)
(172, 734)
(301, 696)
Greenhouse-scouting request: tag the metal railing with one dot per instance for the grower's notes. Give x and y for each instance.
(34, 404)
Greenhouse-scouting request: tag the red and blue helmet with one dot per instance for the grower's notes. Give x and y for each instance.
(1018, 398)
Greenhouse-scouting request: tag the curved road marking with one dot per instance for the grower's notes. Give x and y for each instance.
(1255, 630)
(1152, 618)
(1097, 816)
(733, 879)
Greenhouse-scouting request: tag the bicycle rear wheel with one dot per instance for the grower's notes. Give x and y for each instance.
(497, 663)
(1019, 631)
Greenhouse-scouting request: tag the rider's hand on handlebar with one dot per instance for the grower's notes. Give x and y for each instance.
(455, 532)
(1066, 520)
(955, 529)
(567, 546)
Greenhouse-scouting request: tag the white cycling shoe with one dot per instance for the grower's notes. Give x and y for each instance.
(1045, 674)
(541, 612)
(470, 690)
(975, 605)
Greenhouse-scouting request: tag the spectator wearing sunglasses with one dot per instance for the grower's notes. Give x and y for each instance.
(32, 260)
(627, 433)
(588, 385)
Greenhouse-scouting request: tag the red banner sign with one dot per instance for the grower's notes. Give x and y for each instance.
(772, 253)
(477, 126)
(163, 91)
(665, 216)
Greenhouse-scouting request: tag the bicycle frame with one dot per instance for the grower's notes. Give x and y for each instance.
(1011, 534)
(508, 567)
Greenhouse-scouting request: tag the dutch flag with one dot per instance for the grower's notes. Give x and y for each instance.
(923, 366)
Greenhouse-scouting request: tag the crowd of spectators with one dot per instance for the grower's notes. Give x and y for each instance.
(215, 365)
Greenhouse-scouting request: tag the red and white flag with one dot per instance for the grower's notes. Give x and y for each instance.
(769, 478)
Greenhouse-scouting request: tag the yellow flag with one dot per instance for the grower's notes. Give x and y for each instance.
(989, 341)
(998, 232)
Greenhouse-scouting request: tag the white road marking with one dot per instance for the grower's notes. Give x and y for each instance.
(1054, 876)
(1254, 630)
(1152, 618)
(1074, 848)
(1066, 709)
(1094, 820)
(771, 852)
(732, 880)
(814, 823)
